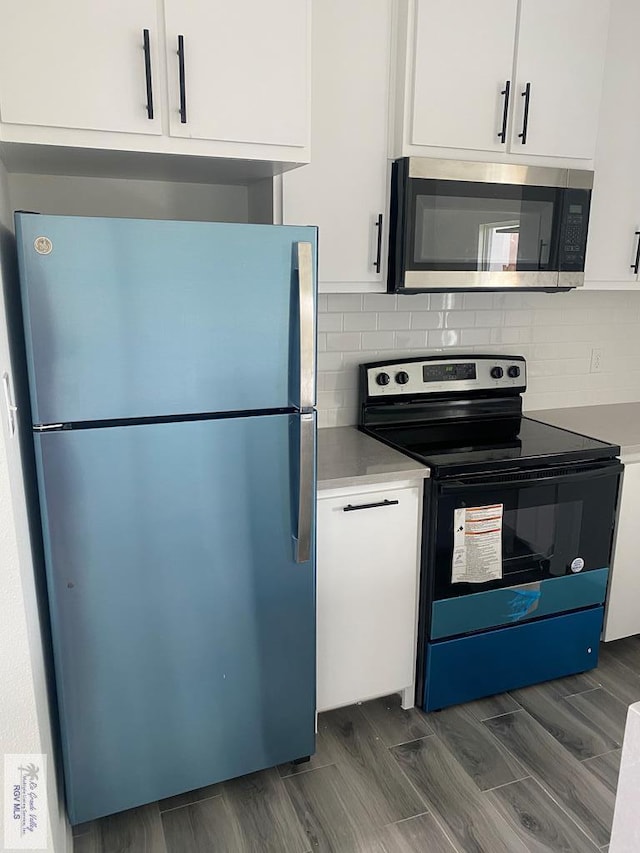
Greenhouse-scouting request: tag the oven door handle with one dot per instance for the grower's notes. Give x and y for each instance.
(457, 486)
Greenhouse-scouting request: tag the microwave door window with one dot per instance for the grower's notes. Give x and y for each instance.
(491, 233)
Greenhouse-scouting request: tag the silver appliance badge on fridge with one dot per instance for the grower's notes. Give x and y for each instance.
(43, 245)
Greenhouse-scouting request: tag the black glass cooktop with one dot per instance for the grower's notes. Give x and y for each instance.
(494, 444)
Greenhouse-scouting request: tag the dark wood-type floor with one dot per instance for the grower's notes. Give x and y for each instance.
(533, 770)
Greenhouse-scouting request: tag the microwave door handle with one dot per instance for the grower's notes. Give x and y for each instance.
(543, 243)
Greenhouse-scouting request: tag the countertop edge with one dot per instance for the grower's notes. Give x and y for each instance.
(417, 475)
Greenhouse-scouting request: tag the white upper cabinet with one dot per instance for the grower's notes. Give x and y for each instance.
(344, 189)
(84, 76)
(463, 60)
(79, 65)
(560, 58)
(614, 224)
(245, 70)
(473, 73)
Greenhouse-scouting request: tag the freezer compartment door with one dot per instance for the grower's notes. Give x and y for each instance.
(130, 318)
(183, 616)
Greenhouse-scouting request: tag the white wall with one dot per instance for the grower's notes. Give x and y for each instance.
(555, 332)
(82, 196)
(25, 724)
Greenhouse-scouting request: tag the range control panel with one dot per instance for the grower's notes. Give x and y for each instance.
(439, 375)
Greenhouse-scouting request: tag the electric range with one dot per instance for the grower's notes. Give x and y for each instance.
(517, 527)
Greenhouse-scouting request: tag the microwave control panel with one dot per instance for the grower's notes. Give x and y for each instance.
(573, 235)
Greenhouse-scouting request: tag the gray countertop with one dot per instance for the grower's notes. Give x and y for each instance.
(618, 423)
(348, 457)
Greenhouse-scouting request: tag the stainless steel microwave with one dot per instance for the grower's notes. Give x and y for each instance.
(459, 225)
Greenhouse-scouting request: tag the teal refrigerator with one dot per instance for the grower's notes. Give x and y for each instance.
(172, 383)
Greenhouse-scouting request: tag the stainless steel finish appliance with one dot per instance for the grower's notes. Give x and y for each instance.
(463, 225)
(518, 524)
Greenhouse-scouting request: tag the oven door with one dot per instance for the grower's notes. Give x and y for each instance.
(473, 234)
(491, 532)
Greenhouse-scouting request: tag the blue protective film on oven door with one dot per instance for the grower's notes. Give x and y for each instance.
(490, 609)
(469, 668)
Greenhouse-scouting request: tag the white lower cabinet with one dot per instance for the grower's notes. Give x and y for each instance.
(622, 617)
(368, 569)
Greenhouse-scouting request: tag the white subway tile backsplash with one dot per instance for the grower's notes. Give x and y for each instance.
(459, 319)
(443, 338)
(446, 301)
(482, 301)
(489, 319)
(380, 302)
(414, 302)
(344, 302)
(427, 320)
(475, 337)
(362, 321)
(555, 332)
(329, 361)
(517, 318)
(394, 320)
(330, 322)
(343, 341)
(377, 340)
(411, 340)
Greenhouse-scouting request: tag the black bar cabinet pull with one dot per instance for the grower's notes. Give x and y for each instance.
(525, 119)
(378, 259)
(351, 508)
(183, 87)
(147, 72)
(636, 266)
(502, 136)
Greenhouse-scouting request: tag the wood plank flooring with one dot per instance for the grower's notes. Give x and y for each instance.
(533, 771)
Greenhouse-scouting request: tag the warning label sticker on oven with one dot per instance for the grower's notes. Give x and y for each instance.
(477, 544)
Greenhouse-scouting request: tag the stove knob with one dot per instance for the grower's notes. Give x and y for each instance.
(383, 379)
(513, 371)
(497, 372)
(402, 378)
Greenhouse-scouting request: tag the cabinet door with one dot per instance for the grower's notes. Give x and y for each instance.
(622, 618)
(80, 65)
(343, 190)
(560, 54)
(367, 587)
(615, 204)
(463, 58)
(245, 70)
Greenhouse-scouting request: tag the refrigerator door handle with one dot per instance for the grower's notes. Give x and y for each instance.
(304, 264)
(12, 409)
(306, 496)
